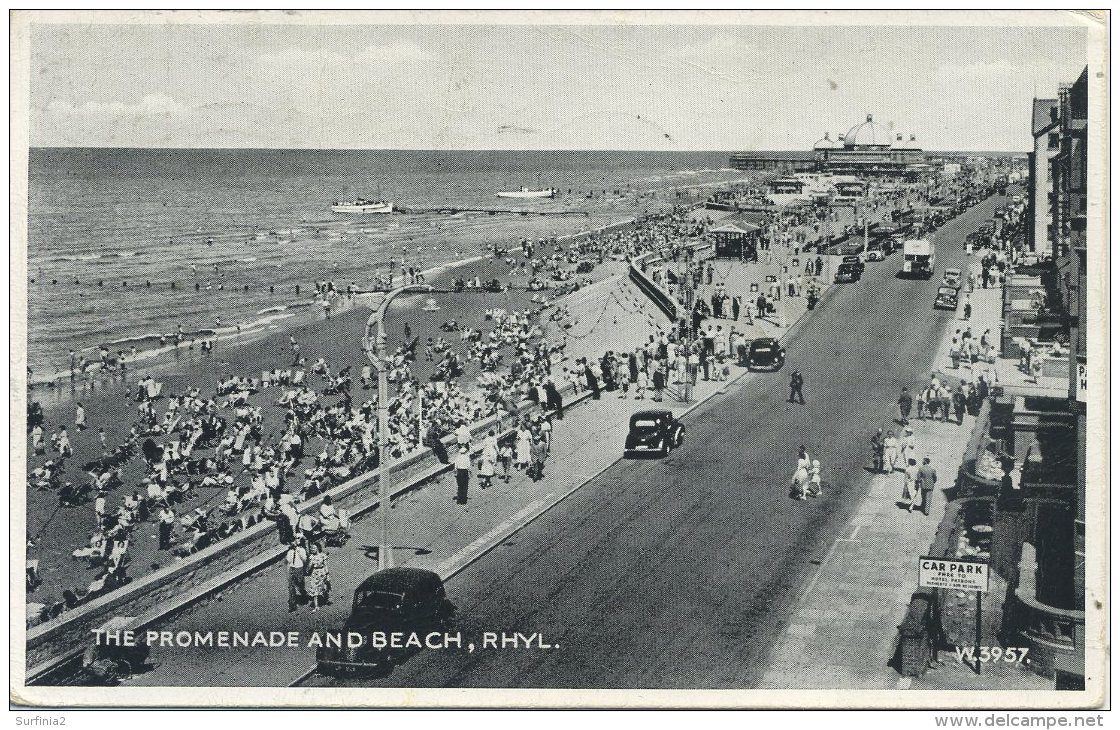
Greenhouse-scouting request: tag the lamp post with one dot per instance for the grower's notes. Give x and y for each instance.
(374, 343)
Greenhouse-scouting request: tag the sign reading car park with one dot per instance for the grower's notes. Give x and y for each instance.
(961, 575)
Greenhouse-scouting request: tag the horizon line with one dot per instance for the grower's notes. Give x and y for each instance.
(473, 149)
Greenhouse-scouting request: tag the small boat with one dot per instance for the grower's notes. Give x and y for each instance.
(525, 192)
(361, 205)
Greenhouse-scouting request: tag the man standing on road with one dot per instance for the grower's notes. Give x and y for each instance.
(927, 480)
(904, 404)
(795, 383)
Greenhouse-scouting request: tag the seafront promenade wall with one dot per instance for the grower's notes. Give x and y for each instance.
(156, 598)
(661, 298)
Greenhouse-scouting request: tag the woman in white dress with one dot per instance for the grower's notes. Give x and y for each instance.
(524, 442)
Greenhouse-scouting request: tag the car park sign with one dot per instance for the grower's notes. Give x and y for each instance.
(961, 575)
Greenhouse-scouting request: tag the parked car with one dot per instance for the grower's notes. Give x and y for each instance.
(947, 298)
(875, 253)
(765, 353)
(951, 278)
(397, 600)
(855, 261)
(847, 272)
(653, 432)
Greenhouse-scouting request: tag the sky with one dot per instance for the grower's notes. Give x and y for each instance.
(725, 87)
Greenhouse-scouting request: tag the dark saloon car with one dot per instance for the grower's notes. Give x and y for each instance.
(946, 298)
(653, 432)
(400, 605)
(855, 261)
(765, 354)
(847, 272)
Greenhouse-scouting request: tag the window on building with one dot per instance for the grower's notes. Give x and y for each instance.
(1053, 141)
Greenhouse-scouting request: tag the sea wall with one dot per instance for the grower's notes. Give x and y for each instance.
(661, 298)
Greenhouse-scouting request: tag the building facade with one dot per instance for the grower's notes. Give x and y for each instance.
(1044, 127)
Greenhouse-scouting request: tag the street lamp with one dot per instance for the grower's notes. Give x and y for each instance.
(374, 344)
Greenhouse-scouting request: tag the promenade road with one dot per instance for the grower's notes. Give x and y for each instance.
(681, 572)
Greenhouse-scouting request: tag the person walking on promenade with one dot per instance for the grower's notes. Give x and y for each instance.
(488, 463)
(907, 445)
(760, 303)
(795, 383)
(658, 383)
(946, 400)
(538, 453)
(890, 452)
(927, 480)
(877, 450)
(318, 581)
(921, 402)
(911, 496)
(296, 560)
(166, 525)
(959, 403)
(904, 403)
(553, 401)
(462, 474)
(80, 417)
(524, 441)
(592, 381)
(462, 434)
(967, 307)
(505, 456)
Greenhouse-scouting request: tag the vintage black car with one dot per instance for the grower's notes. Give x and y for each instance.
(847, 272)
(653, 432)
(398, 602)
(855, 261)
(947, 298)
(765, 354)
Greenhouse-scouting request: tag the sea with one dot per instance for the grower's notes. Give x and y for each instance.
(127, 244)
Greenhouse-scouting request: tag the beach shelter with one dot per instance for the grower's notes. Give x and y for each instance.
(736, 239)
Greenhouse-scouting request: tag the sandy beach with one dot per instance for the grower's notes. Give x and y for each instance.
(109, 405)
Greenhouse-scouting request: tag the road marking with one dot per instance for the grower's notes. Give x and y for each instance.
(817, 575)
(904, 683)
(852, 537)
(490, 539)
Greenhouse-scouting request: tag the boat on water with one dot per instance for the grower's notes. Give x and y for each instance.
(525, 192)
(361, 205)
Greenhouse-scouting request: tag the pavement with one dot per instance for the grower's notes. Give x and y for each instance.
(682, 572)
